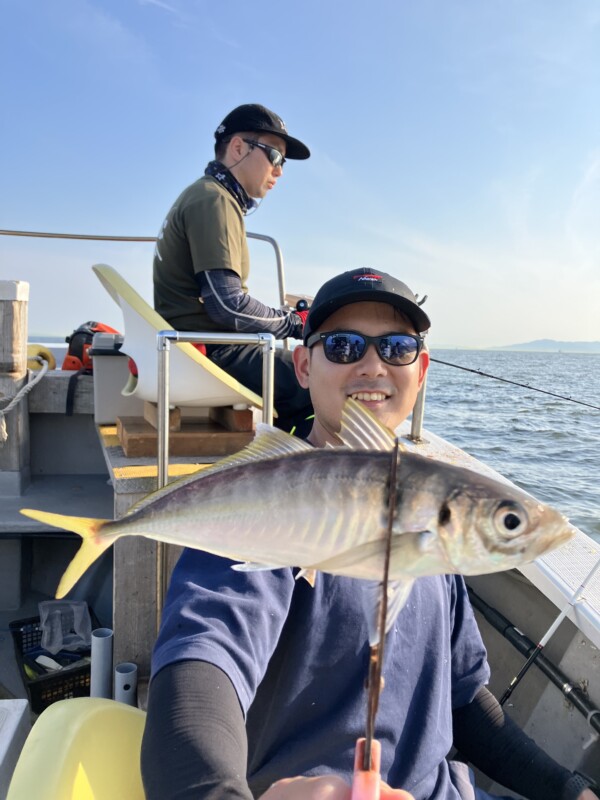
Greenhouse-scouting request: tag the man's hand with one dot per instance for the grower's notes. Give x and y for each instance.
(587, 794)
(325, 787)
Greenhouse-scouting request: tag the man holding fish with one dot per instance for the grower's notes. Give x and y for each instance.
(258, 674)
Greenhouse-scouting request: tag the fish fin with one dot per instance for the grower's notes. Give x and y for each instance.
(276, 442)
(269, 442)
(361, 430)
(336, 565)
(398, 592)
(371, 555)
(92, 546)
(309, 575)
(253, 566)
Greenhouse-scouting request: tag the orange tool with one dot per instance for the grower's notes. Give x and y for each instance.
(366, 783)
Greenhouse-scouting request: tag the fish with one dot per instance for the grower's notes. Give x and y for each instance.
(280, 502)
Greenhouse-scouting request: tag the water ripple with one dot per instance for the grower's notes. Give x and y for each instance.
(550, 447)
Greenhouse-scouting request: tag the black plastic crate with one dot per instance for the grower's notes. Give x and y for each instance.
(60, 685)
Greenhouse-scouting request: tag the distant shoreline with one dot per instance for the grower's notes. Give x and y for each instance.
(538, 346)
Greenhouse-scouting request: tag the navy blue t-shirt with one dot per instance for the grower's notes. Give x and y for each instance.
(298, 658)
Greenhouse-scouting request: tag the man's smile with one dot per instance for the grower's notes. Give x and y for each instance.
(369, 396)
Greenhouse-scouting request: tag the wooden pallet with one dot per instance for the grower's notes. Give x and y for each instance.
(194, 438)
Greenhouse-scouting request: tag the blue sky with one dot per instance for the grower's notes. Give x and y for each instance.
(455, 143)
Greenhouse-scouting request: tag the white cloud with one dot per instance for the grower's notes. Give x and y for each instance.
(159, 4)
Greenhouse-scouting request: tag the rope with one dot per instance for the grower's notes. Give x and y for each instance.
(19, 396)
(516, 383)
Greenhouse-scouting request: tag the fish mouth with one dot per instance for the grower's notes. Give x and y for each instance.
(564, 533)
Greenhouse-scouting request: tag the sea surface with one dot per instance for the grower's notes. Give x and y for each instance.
(548, 446)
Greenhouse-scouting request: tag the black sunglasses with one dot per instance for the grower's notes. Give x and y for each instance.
(347, 347)
(274, 156)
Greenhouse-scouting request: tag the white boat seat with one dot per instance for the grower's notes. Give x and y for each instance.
(86, 748)
(194, 380)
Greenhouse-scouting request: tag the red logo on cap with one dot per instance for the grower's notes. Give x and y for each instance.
(369, 276)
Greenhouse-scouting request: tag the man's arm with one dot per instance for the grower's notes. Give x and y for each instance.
(194, 743)
(234, 310)
(496, 745)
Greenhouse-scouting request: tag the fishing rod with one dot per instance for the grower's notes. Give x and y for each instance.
(516, 383)
(549, 633)
(578, 698)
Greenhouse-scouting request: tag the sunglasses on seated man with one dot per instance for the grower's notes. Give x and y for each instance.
(272, 153)
(347, 347)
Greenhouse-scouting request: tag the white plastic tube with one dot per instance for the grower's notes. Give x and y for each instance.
(101, 667)
(126, 683)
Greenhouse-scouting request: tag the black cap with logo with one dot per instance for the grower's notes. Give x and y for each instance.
(258, 119)
(359, 285)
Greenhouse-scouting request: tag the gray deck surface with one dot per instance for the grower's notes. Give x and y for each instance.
(79, 495)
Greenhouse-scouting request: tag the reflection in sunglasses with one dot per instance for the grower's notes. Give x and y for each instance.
(347, 347)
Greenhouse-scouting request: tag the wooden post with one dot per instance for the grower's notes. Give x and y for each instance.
(14, 452)
(14, 297)
(135, 621)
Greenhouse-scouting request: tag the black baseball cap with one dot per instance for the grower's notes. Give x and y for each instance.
(359, 285)
(257, 118)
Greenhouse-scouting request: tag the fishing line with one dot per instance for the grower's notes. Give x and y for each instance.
(376, 653)
(516, 383)
(154, 239)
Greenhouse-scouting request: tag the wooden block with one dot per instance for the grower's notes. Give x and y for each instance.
(232, 419)
(151, 416)
(139, 439)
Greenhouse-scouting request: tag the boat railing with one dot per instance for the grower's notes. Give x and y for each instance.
(418, 414)
(266, 341)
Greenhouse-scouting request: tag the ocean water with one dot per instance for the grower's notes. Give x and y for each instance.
(549, 447)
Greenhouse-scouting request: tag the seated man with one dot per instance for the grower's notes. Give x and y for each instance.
(258, 676)
(201, 261)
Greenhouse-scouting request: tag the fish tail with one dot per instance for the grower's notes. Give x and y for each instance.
(92, 546)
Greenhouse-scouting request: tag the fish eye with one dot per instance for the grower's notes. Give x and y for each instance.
(510, 519)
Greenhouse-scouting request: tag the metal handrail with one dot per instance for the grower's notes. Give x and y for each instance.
(266, 341)
(97, 237)
(163, 344)
(418, 413)
(280, 276)
(278, 259)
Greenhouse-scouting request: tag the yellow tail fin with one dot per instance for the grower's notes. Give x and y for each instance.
(92, 547)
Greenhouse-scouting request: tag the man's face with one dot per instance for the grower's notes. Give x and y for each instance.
(389, 392)
(254, 170)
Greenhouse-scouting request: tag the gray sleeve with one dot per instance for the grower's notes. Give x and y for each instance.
(194, 745)
(495, 744)
(232, 309)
